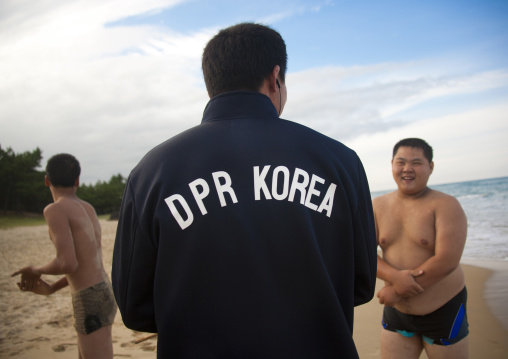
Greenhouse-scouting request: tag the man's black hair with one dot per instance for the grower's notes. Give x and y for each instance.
(63, 170)
(415, 143)
(240, 57)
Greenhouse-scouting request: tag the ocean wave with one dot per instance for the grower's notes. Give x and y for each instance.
(471, 196)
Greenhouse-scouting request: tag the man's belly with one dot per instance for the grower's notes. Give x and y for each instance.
(434, 297)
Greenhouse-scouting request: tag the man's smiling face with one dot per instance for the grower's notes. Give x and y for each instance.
(411, 170)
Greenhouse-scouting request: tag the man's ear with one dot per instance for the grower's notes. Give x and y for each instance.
(431, 166)
(76, 184)
(46, 181)
(274, 77)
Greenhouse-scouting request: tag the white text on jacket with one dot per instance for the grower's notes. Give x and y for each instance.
(302, 185)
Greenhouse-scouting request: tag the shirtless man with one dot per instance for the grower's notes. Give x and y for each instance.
(422, 233)
(75, 232)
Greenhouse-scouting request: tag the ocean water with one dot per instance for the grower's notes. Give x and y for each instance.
(486, 205)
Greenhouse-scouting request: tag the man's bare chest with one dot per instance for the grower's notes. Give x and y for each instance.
(407, 226)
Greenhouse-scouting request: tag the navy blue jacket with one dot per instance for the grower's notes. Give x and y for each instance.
(247, 236)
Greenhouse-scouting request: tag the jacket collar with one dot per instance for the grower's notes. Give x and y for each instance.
(239, 104)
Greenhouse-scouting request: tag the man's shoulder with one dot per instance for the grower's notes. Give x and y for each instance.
(384, 199)
(320, 144)
(85, 204)
(185, 140)
(55, 210)
(52, 207)
(443, 200)
(312, 132)
(436, 202)
(440, 196)
(64, 206)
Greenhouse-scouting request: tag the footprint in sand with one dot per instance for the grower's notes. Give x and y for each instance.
(61, 347)
(15, 353)
(148, 348)
(39, 339)
(63, 321)
(127, 345)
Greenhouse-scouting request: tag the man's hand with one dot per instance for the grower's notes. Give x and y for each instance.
(404, 283)
(30, 278)
(42, 288)
(388, 296)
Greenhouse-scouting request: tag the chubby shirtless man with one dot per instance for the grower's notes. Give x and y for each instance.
(422, 233)
(75, 232)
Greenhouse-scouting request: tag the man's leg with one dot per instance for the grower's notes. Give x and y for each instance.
(79, 351)
(397, 346)
(96, 345)
(458, 350)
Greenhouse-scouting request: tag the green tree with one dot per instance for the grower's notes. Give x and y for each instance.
(106, 197)
(21, 184)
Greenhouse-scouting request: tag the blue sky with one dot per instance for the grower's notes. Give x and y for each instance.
(108, 80)
(321, 33)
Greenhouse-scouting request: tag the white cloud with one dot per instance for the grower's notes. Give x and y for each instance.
(431, 88)
(467, 146)
(347, 102)
(291, 9)
(70, 88)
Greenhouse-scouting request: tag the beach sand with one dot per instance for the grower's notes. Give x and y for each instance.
(33, 326)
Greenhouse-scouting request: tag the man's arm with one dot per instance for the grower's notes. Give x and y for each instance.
(60, 232)
(365, 243)
(65, 261)
(403, 281)
(133, 270)
(388, 296)
(451, 233)
(59, 284)
(44, 288)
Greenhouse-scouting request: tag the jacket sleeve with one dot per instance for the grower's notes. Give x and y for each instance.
(134, 261)
(365, 244)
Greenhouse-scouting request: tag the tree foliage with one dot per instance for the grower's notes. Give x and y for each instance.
(22, 186)
(106, 197)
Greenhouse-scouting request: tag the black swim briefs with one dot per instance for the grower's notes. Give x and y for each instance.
(445, 326)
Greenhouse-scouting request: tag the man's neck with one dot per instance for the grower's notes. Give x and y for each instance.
(63, 192)
(413, 196)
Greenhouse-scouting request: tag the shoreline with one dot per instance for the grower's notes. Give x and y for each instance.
(496, 291)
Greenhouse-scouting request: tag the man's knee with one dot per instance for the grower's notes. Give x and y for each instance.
(458, 350)
(97, 344)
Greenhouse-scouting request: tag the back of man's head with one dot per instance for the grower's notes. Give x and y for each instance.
(240, 57)
(415, 143)
(63, 170)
